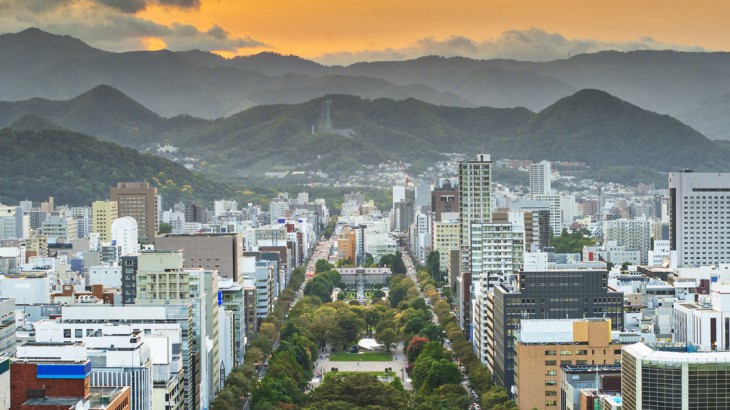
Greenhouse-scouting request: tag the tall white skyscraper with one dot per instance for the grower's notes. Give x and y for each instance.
(699, 218)
(540, 178)
(475, 205)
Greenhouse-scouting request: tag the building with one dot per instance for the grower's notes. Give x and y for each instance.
(576, 378)
(445, 239)
(160, 277)
(4, 383)
(138, 200)
(59, 229)
(403, 213)
(14, 224)
(545, 294)
(53, 370)
(125, 234)
(444, 198)
(542, 346)
(221, 252)
(130, 265)
(367, 277)
(554, 202)
(706, 323)
(7, 327)
(674, 376)
(631, 233)
(699, 218)
(540, 183)
(233, 300)
(475, 205)
(103, 215)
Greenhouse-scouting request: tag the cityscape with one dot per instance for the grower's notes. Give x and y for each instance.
(206, 205)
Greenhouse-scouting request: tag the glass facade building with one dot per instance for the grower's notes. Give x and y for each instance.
(661, 377)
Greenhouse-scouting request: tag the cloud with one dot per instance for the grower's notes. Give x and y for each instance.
(113, 25)
(534, 44)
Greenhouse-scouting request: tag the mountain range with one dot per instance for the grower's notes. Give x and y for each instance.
(588, 126)
(694, 87)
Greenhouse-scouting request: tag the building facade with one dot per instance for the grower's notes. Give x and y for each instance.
(138, 200)
(699, 218)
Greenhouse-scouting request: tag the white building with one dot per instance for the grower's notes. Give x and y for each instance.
(27, 287)
(706, 323)
(631, 233)
(14, 224)
(109, 276)
(540, 183)
(660, 255)
(222, 207)
(126, 234)
(699, 218)
(554, 201)
(475, 206)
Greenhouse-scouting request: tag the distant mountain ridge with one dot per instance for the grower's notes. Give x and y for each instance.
(38, 64)
(589, 126)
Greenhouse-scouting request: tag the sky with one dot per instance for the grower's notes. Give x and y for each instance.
(345, 31)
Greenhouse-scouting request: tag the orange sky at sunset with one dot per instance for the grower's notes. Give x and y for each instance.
(314, 27)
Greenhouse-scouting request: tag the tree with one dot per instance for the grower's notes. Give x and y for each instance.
(415, 347)
(433, 332)
(164, 228)
(322, 265)
(387, 337)
(359, 390)
(433, 265)
(396, 296)
(398, 266)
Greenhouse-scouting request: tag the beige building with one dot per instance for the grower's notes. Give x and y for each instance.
(445, 238)
(161, 277)
(543, 345)
(138, 200)
(221, 252)
(103, 214)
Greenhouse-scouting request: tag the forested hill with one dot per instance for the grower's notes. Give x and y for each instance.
(77, 169)
(589, 126)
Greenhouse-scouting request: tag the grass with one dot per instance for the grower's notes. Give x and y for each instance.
(363, 357)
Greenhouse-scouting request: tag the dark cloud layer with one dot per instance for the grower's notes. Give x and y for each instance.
(113, 25)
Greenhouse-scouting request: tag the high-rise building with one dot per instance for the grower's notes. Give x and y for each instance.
(444, 198)
(475, 205)
(554, 203)
(103, 215)
(445, 239)
(675, 376)
(540, 183)
(699, 218)
(13, 223)
(549, 294)
(138, 200)
(631, 233)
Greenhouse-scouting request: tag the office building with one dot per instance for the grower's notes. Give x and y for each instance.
(138, 200)
(699, 218)
(446, 239)
(540, 183)
(546, 294)
(705, 323)
(221, 252)
(554, 202)
(14, 224)
(444, 198)
(475, 205)
(542, 346)
(103, 215)
(674, 376)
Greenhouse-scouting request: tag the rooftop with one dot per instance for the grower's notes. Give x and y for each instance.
(599, 368)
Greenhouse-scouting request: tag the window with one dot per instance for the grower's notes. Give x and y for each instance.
(566, 352)
(551, 393)
(79, 333)
(584, 352)
(551, 382)
(551, 373)
(551, 403)
(562, 362)
(550, 352)
(67, 333)
(581, 362)
(551, 363)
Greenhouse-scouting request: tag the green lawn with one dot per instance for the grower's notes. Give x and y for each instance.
(364, 357)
